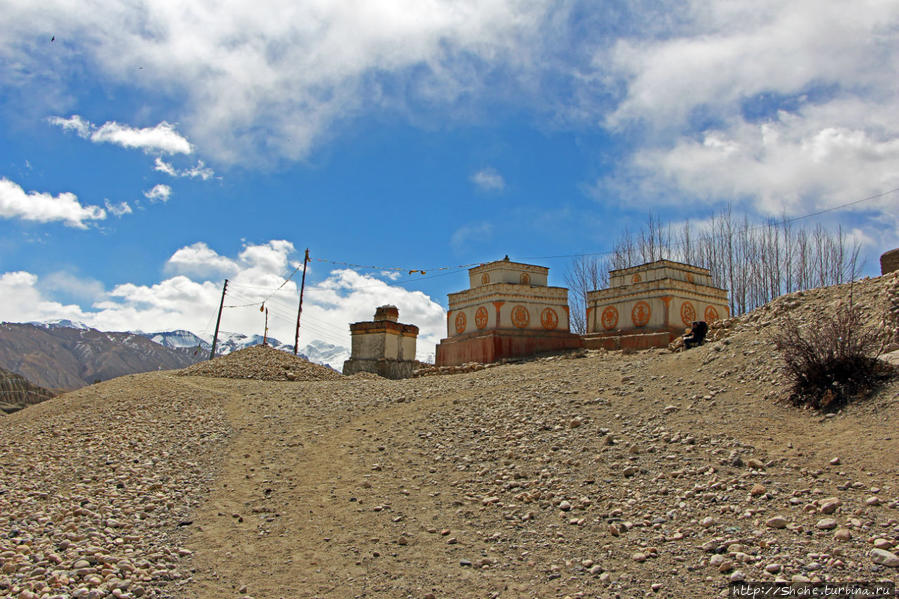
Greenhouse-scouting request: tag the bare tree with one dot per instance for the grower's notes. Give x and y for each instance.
(754, 263)
(586, 273)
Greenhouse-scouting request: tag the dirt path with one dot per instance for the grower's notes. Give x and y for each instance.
(302, 509)
(508, 482)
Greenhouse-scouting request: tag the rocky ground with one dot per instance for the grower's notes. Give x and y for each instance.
(652, 474)
(262, 362)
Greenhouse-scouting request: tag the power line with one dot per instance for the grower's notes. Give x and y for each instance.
(318, 325)
(789, 220)
(841, 206)
(394, 268)
(278, 290)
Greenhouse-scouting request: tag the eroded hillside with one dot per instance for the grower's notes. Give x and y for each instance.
(16, 392)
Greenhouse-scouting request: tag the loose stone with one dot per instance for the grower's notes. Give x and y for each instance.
(826, 524)
(884, 557)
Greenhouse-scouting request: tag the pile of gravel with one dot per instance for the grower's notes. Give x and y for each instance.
(367, 375)
(262, 363)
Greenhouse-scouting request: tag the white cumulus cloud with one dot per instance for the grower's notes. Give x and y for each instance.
(159, 193)
(279, 76)
(44, 207)
(81, 288)
(200, 170)
(782, 107)
(488, 179)
(189, 300)
(200, 260)
(24, 302)
(120, 209)
(73, 123)
(160, 138)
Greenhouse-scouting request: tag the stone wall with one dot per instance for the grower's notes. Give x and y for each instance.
(383, 346)
(389, 369)
(889, 262)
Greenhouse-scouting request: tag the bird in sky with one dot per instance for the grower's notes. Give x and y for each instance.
(53, 39)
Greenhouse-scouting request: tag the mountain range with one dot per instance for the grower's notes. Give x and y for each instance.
(64, 355)
(60, 356)
(317, 351)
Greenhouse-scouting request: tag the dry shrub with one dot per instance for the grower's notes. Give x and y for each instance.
(832, 362)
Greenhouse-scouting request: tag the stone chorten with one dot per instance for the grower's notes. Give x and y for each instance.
(383, 346)
(651, 304)
(507, 312)
(889, 261)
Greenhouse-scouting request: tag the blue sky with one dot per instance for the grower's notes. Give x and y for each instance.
(149, 150)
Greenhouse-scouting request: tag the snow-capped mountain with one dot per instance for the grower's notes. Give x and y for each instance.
(178, 339)
(317, 351)
(178, 348)
(322, 352)
(60, 324)
(56, 356)
(230, 342)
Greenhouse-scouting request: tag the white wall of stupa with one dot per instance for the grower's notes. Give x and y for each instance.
(658, 296)
(508, 295)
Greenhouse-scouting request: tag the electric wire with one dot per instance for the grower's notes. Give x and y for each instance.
(759, 226)
(323, 327)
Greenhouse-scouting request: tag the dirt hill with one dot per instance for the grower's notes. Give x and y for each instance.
(264, 363)
(653, 474)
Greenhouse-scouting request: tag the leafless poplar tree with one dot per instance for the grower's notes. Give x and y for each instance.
(586, 273)
(755, 263)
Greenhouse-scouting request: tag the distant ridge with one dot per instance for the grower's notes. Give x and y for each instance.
(65, 355)
(57, 356)
(61, 323)
(317, 351)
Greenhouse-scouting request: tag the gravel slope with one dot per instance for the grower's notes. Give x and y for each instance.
(263, 363)
(661, 474)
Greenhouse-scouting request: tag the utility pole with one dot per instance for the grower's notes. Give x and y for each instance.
(218, 321)
(296, 339)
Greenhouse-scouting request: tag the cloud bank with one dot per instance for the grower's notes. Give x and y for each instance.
(778, 106)
(785, 107)
(188, 298)
(277, 75)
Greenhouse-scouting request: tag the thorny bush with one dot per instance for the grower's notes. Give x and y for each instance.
(833, 361)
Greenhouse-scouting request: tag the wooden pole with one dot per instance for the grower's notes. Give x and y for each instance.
(218, 321)
(265, 333)
(296, 339)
